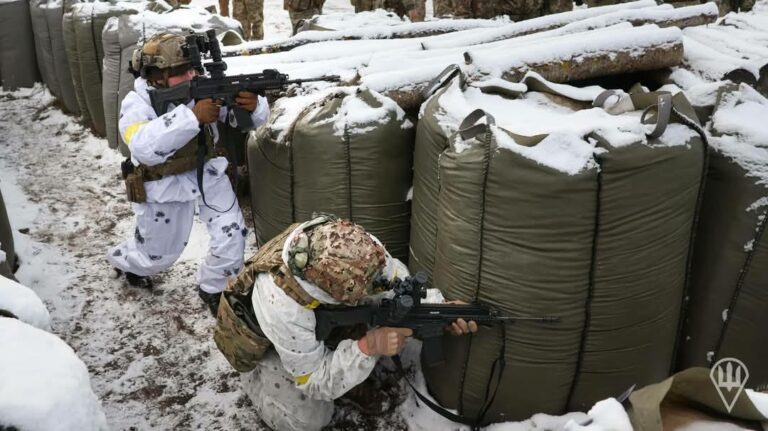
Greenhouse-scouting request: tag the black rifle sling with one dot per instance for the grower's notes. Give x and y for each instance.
(499, 364)
(202, 150)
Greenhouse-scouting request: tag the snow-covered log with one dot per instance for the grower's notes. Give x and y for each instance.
(579, 56)
(637, 13)
(713, 65)
(403, 31)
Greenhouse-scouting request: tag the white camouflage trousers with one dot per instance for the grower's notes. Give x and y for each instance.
(277, 400)
(162, 231)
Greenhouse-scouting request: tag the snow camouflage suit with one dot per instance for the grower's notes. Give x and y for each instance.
(413, 9)
(250, 13)
(164, 221)
(294, 385)
(300, 10)
(517, 10)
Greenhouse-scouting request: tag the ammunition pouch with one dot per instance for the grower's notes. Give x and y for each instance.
(237, 333)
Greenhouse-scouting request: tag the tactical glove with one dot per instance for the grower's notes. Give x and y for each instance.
(247, 100)
(384, 341)
(206, 111)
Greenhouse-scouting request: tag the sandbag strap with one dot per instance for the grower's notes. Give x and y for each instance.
(440, 80)
(469, 128)
(663, 109)
(603, 97)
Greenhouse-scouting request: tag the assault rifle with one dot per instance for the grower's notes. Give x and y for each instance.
(219, 86)
(405, 310)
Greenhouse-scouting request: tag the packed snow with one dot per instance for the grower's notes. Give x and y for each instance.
(45, 386)
(24, 303)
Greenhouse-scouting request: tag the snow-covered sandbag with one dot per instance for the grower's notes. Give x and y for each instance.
(54, 12)
(89, 20)
(726, 315)
(43, 45)
(119, 38)
(73, 60)
(7, 252)
(552, 210)
(44, 385)
(17, 47)
(349, 153)
(24, 304)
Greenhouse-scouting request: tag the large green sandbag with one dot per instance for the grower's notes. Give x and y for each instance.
(605, 248)
(649, 196)
(43, 46)
(17, 50)
(727, 313)
(54, 14)
(73, 59)
(517, 235)
(349, 154)
(89, 20)
(8, 263)
(431, 141)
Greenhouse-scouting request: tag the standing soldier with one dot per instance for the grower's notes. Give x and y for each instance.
(250, 13)
(162, 174)
(300, 10)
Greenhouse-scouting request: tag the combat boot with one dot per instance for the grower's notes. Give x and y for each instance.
(211, 300)
(140, 281)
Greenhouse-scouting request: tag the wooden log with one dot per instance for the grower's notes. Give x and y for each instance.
(574, 57)
(663, 16)
(402, 31)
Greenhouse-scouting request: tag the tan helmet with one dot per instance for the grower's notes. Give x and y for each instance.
(161, 51)
(337, 256)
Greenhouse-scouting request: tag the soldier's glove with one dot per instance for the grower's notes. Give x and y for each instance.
(461, 326)
(206, 111)
(384, 341)
(247, 100)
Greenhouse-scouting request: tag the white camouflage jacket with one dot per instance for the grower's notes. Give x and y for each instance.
(152, 140)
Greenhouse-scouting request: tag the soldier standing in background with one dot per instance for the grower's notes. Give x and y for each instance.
(517, 10)
(300, 10)
(415, 10)
(250, 13)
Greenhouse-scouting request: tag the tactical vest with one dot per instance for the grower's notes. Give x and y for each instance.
(237, 333)
(183, 160)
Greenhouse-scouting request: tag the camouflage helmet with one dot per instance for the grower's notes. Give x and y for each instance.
(161, 51)
(337, 256)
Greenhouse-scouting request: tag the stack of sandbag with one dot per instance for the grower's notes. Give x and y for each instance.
(544, 208)
(50, 51)
(345, 151)
(726, 315)
(119, 38)
(7, 251)
(18, 67)
(83, 24)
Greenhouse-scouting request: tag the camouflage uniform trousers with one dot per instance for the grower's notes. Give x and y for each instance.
(415, 10)
(250, 13)
(517, 10)
(300, 10)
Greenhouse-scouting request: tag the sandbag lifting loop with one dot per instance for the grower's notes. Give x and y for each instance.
(470, 129)
(439, 82)
(663, 110)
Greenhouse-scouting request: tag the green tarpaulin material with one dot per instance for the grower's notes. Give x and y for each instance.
(605, 249)
(18, 66)
(729, 290)
(43, 47)
(349, 154)
(73, 58)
